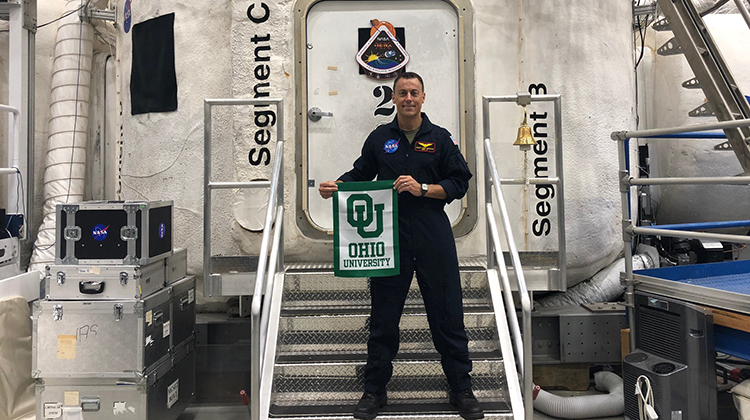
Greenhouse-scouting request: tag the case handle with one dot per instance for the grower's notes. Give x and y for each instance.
(158, 318)
(91, 287)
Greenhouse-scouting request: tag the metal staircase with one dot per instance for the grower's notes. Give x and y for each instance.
(309, 329)
(321, 351)
(724, 99)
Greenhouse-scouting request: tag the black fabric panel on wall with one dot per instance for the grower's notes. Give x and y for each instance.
(153, 81)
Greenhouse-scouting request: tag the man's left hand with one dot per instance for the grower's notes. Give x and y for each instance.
(405, 183)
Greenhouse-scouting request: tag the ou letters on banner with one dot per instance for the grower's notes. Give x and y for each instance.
(365, 229)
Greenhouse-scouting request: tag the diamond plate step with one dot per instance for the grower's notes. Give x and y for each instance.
(431, 411)
(413, 382)
(347, 334)
(321, 290)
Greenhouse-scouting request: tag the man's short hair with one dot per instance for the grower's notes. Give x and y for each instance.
(408, 75)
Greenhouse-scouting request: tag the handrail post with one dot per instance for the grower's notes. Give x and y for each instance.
(623, 173)
(487, 181)
(207, 267)
(562, 260)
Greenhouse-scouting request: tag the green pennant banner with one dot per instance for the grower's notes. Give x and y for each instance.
(365, 229)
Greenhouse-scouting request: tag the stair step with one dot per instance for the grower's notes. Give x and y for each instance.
(433, 411)
(347, 334)
(413, 382)
(321, 290)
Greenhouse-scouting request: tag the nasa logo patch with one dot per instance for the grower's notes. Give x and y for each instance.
(391, 146)
(128, 16)
(99, 232)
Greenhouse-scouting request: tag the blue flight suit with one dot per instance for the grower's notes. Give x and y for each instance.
(426, 246)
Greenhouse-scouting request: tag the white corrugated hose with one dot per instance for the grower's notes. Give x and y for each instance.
(585, 406)
(68, 126)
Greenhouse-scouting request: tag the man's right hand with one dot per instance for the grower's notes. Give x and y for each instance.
(327, 188)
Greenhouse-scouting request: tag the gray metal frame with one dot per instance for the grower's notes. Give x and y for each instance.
(692, 293)
(213, 281)
(708, 65)
(264, 319)
(556, 276)
(493, 184)
(465, 12)
(22, 15)
(721, 299)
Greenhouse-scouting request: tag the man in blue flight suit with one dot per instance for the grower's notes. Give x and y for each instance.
(429, 171)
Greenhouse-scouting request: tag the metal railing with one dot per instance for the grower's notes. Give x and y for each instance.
(521, 399)
(14, 170)
(272, 242)
(627, 182)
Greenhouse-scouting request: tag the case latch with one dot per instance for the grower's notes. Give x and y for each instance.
(90, 403)
(123, 278)
(60, 278)
(118, 311)
(72, 233)
(128, 233)
(57, 312)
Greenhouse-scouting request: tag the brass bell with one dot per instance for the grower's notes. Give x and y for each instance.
(524, 138)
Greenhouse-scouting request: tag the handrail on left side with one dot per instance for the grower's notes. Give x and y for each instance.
(273, 223)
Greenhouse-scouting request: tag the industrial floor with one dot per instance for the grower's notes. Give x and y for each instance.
(207, 412)
(240, 413)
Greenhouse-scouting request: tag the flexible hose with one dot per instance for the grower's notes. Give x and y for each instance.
(585, 406)
(68, 126)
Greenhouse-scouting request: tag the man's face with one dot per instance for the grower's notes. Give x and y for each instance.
(408, 97)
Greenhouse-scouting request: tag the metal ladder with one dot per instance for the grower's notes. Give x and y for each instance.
(712, 74)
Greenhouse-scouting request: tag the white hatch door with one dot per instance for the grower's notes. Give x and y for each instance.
(359, 103)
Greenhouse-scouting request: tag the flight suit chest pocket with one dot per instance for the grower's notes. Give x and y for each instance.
(391, 165)
(425, 165)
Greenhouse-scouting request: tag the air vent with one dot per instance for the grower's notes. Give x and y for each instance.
(663, 368)
(660, 333)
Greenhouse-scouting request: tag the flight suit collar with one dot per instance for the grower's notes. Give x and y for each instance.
(426, 126)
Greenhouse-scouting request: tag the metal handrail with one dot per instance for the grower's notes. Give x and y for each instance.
(493, 184)
(624, 135)
(259, 329)
(209, 185)
(627, 182)
(270, 317)
(272, 238)
(523, 349)
(13, 170)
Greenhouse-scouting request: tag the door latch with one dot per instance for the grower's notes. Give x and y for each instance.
(315, 114)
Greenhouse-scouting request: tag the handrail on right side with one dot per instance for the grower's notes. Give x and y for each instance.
(495, 256)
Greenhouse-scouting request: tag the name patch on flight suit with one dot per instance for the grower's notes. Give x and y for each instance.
(424, 147)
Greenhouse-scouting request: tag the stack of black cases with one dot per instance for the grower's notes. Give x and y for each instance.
(114, 335)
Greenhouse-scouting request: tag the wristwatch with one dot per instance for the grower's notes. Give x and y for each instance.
(425, 187)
